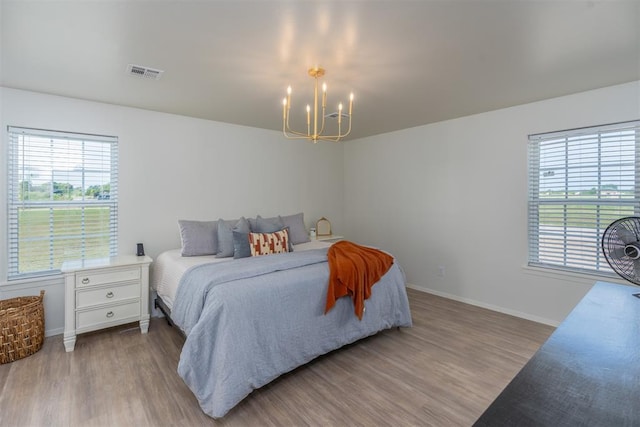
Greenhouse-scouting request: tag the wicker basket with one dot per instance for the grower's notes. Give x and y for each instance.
(21, 327)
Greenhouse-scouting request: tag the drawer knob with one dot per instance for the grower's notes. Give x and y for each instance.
(85, 280)
(110, 314)
(109, 294)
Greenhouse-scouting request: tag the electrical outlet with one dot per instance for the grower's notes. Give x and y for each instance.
(441, 271)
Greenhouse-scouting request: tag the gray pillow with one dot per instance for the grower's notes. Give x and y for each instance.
(241, 246)
(271, 225)
(267, 225)
(297, 231)
(198, 237)
(225, 235)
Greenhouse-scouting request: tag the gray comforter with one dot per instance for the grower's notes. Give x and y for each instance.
(250, 320)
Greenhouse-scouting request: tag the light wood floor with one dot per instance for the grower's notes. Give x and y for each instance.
(442, 372)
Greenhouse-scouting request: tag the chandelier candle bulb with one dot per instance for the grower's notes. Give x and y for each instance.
(350, 104)
(324, 95)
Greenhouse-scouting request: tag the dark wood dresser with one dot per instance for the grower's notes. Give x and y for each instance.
(586, 374)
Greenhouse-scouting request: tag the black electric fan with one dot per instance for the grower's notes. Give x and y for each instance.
(621, 248)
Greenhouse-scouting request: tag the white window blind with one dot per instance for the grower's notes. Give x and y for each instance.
(579, 182)
(62, 199)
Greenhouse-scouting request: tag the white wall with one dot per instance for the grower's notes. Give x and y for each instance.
(450, 194)
(174, 167)
(454, 194)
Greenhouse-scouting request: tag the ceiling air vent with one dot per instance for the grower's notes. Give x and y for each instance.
(145, 72)
(335, 115)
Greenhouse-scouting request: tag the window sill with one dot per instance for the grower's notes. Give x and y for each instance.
(571, 276)
(31, 282)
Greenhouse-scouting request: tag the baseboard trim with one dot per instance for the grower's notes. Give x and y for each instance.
(485, 305)
(54, 331)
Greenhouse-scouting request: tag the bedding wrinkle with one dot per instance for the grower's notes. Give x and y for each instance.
(353, 270)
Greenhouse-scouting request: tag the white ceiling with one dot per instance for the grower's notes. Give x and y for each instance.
(408, 62)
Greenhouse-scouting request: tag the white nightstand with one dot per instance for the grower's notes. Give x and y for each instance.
(105, 292)
(332, 238)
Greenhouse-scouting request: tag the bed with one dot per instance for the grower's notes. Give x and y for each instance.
(249, 320)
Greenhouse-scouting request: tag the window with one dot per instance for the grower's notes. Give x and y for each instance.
(62, 199)
(579, 182)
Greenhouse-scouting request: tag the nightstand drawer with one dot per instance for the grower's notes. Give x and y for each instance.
(90, 297)
(101, 316)
(91, 278)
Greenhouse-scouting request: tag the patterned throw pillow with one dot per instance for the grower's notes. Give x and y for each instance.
(269, 243)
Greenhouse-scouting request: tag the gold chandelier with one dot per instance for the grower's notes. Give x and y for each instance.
(316, 135)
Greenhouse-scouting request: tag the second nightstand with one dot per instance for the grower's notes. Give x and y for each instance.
(331, 238)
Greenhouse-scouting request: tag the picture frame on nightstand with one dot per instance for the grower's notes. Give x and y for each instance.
(323, 227)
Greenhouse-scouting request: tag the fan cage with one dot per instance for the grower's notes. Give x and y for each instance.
(613, 248)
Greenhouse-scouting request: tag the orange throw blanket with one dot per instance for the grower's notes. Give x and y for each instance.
(353, 270)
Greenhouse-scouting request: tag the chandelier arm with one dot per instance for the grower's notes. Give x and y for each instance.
(349, 131)
(286, 129)
(335, 138)
(329, 138)
(287, 136)
(302, 136)
(286, 122)
(294, 134)
(323, 117)
(290, 132)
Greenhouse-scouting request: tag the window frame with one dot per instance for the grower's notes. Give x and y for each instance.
(16, 206)
(581, 243)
